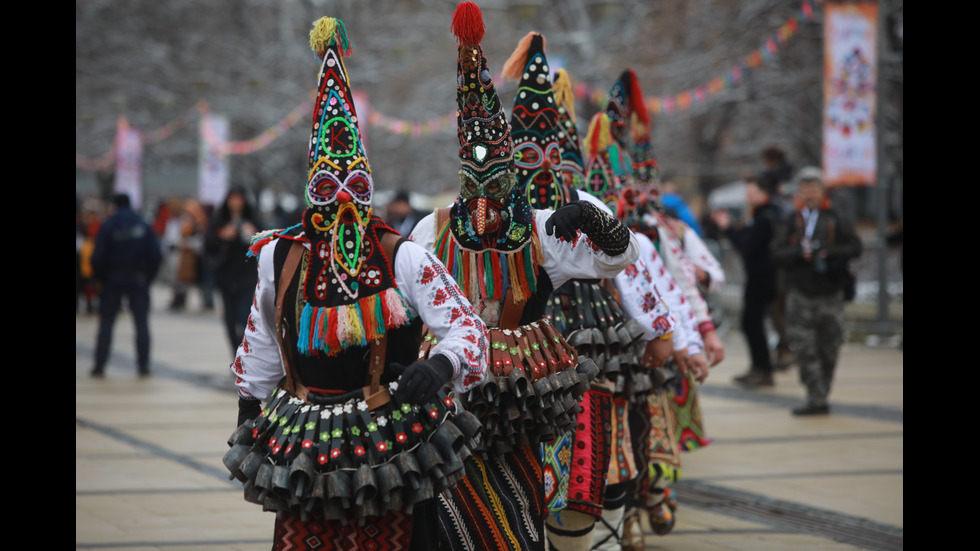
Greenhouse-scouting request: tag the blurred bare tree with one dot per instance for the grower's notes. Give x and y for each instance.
(249, 59)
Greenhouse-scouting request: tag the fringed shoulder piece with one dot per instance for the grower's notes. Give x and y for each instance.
(487, 274)
(332, 328)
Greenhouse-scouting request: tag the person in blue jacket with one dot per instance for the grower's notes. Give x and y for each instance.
(125, 261)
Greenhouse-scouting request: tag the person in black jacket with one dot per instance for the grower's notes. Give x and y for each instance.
(125, 261)
(229, 237)
(753, 242)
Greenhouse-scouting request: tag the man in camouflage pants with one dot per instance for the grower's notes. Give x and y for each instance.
(814, 245)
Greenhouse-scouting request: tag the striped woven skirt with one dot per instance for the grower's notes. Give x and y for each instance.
(498, 505)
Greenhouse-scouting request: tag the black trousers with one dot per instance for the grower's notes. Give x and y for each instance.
(136, 290)
(759, 293)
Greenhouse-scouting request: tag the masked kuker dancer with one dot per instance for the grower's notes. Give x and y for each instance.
(507, 258)
(356, 436)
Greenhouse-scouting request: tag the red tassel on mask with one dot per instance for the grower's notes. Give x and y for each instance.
(636, 103)
(468, 24)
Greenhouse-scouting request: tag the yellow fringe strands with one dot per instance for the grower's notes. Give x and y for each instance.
(564, 94)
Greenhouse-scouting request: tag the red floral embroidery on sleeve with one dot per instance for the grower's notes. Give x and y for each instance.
(428, 274)
(440, 298)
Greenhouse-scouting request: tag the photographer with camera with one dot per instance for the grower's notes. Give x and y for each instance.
(815, 245)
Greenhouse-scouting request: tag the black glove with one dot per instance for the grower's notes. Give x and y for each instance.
(248, 408)
(421, 380)
(565, 222)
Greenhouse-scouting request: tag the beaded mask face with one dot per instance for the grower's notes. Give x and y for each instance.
(603, 177)
(491, 212)
(339, 190)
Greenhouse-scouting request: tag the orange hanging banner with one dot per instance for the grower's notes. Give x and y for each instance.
(849, 94)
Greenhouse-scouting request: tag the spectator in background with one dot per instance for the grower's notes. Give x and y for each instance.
(401, 215)
(191, 223)
(125, 260)
(815, 245)
(232, 228)
(753, 242)
(675, 206)
(778, 167)
(91, 221)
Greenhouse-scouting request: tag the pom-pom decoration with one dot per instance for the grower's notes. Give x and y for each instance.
(326, 32)
(467, 24)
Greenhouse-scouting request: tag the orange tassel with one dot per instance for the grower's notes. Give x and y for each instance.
(514, 66)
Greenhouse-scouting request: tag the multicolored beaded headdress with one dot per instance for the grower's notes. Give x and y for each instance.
(646, 172)
(349, 293)
(489, 244)
(534, 125)
(572, 163)
(619, 107)
(602, 177)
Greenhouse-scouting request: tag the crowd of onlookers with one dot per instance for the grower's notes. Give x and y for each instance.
(198, 249)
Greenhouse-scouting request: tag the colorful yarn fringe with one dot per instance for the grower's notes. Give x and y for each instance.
(598, 137)
(489, 273)
(327, 32)
(355, 324)
(263, 238)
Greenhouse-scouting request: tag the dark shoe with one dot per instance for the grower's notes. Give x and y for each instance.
(812, 409)
(755, 378)
(784, 360)
(143, 372)
(98, 373)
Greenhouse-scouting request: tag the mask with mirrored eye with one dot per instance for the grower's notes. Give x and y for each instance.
(497, 186)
